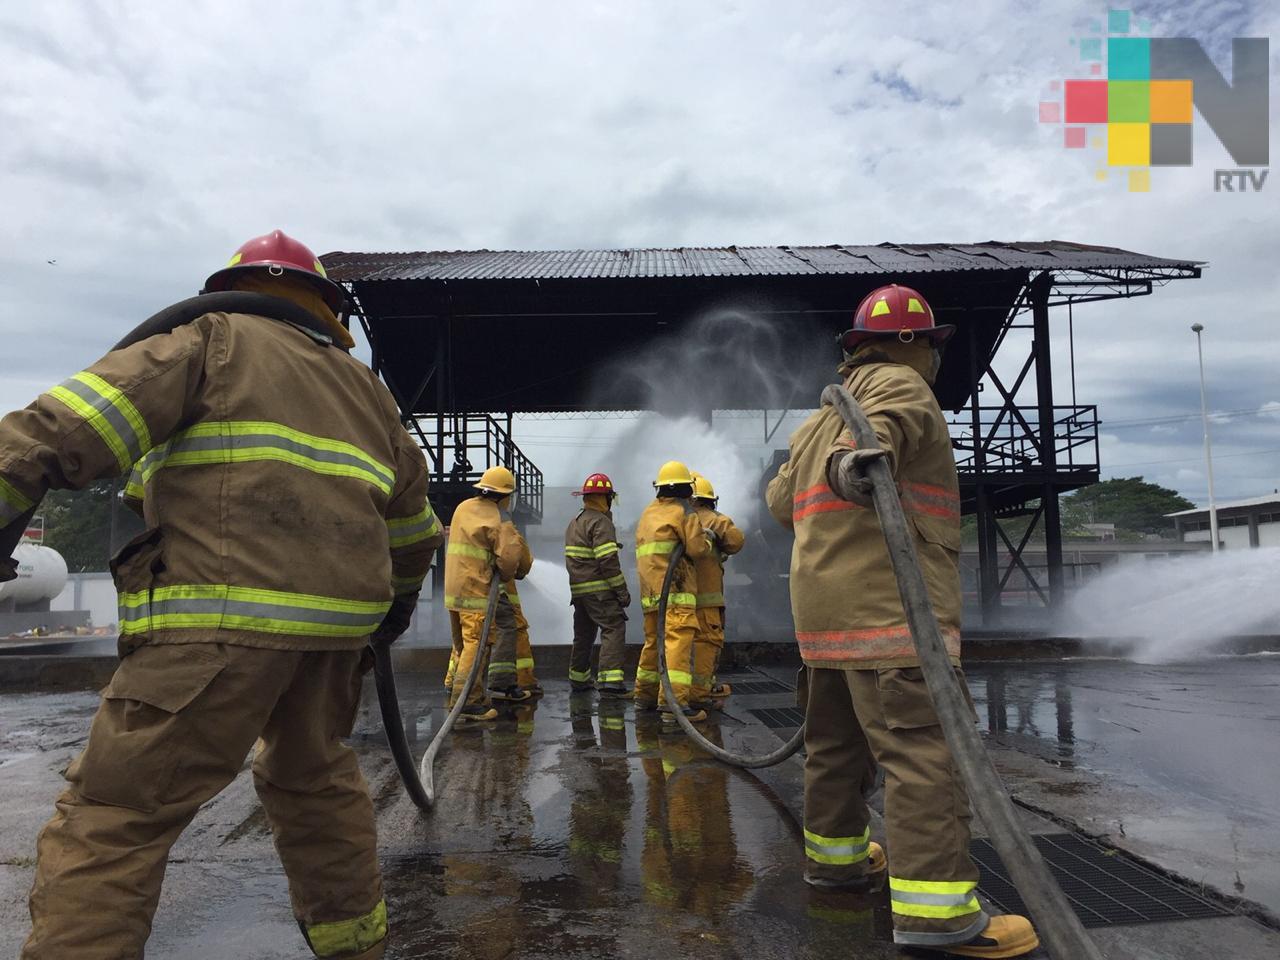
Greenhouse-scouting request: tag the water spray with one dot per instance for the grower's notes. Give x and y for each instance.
(419, 779)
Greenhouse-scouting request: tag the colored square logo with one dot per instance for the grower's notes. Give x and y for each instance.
(1128, 144)
(1086, 101)
(1117, 21)
(1128, 101)
(1129, 58)
(1091, 48)
(1171, 145)
(1073, 138)
(1171, 101)
(1139, 181)
(1050, 111)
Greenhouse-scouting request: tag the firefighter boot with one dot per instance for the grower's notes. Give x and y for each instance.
(870, 881)
(1004, 936)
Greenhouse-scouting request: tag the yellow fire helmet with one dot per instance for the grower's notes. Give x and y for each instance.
(497, 479)
(702, 488)
(672, 472)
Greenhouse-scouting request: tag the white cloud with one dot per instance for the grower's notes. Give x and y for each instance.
(144, 142)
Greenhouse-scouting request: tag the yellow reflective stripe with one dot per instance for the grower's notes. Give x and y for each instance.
(837, 850)
(611, 723)
(711, 599)
(618, 581)
(578, 553)
(353, 936)
(680, 676)
(122, 403)
(646, 675)
(97, 421)
(604, 550)
(588, 586)
(13, 503)
(407, 584)
(610, 676)
(466, 603)
(513, 598)
(657, 546)
(524, 663)
(248, 441)
(579, 676)
(404, 531)
(936, 899)
(467, 550)
(220, 606)
(675, 600)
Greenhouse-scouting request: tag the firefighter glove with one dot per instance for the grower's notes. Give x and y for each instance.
(847, 475)
(396, 620)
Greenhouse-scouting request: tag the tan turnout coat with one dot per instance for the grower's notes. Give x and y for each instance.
(844, 596)
(480, 539)
(284, 502)
(710, 568)
(664, 523)
(591, 554)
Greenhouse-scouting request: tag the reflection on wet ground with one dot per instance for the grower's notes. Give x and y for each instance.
(576, 828)
(1184, 756)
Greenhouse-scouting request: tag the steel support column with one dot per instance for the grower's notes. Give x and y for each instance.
(988, 565)
(1040, 288)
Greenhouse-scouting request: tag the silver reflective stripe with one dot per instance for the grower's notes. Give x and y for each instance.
(830, 849)
(109, 412)
(920, 938)
(214, 606)
(246, 441)
(931, 899)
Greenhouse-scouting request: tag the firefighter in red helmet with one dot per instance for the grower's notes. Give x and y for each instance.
(287, 524)
(865, 698)
(598, 590)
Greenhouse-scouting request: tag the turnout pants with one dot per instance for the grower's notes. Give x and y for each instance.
(498, 660)
(592, 613)
(681, 628)
(172, 731)
(706, 652)
(851, 718)
(524, 652)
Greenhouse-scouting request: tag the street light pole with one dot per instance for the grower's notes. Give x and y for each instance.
(1197, 328)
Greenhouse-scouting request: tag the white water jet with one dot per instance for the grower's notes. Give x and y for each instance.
(1178, 609)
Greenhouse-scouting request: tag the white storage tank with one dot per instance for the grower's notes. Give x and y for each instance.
(42, 573)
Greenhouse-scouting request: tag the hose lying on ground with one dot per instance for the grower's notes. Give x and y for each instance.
(1055, 921)
(720, 753)
(419, 781)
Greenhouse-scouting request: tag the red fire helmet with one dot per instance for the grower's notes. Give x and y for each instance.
(279, 253)
(596, 483)
(895, 311)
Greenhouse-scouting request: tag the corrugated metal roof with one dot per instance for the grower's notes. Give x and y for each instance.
(736, 261)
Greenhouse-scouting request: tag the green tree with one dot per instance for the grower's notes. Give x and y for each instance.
(77, 523)
(1132, 504)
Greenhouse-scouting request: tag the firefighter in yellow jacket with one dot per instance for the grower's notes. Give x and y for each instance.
(865, 691)
(668, 520)
(483, 542)
(287, 522)
(709, 644)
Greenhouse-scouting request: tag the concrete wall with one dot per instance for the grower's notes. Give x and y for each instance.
(94, 592)
(1269, 534)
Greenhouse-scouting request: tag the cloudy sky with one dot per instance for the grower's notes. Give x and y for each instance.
(143, 142)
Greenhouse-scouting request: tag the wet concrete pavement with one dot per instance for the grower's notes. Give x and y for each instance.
(571, 828)
(1177, 762)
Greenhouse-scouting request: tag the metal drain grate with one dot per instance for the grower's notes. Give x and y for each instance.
(779, 717)
(1105, 888)
(755, 687)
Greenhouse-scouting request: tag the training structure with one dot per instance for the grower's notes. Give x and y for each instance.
(467, 339)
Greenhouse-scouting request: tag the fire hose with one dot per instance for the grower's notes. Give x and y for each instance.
(419, 779)
(1056, 922)
(720, 753)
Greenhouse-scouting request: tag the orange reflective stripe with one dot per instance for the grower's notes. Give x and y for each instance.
(867, 643)
(818, 499)
(931, 500)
